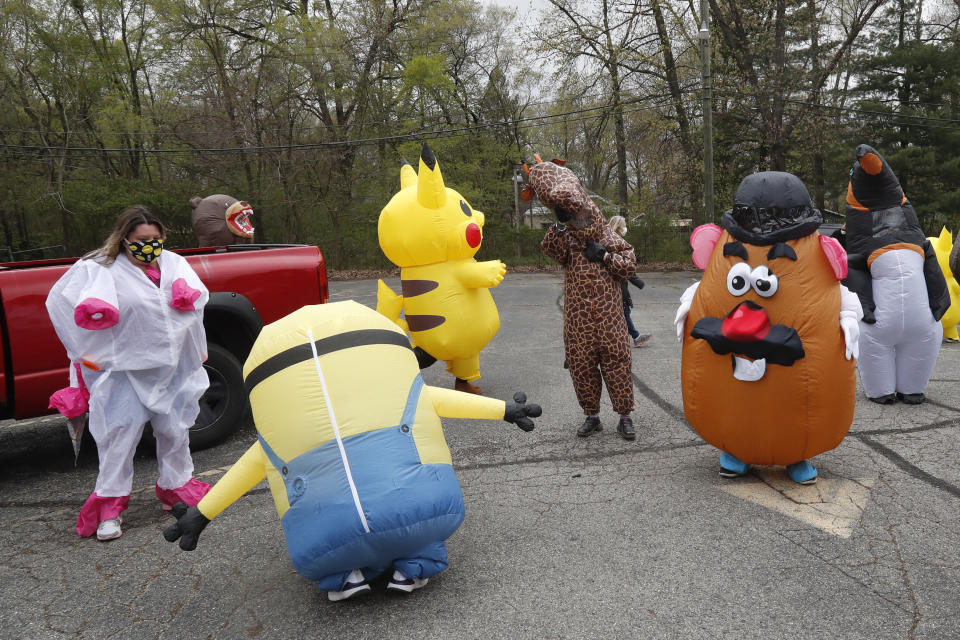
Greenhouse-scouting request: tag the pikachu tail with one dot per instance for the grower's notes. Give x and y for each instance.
(390, 304)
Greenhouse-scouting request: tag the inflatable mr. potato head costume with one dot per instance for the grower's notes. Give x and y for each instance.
(768, 339)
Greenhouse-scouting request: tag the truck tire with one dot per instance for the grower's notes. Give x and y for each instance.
(224, 404)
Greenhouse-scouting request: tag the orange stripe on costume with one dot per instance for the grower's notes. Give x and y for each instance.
(852, 201)
(893, 247)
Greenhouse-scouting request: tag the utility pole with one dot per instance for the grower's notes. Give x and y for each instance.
(704, 37)
(516, 178)
(516, 198)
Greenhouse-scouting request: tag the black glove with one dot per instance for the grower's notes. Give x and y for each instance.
(190, 522)
(637, 282)
(519, 413)
(594, 251)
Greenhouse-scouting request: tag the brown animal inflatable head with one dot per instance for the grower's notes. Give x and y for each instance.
(558, 188)
(763, 368)
(219, 220)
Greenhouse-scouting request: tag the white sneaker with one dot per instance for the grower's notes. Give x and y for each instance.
(403, 584)
(355, 585)
(109, 529)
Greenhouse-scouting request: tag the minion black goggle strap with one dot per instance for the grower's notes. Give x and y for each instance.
(304, 352)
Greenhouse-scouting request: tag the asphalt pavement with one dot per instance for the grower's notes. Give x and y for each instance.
(564, 537)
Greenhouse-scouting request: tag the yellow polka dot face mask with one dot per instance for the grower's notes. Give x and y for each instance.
(145, 252)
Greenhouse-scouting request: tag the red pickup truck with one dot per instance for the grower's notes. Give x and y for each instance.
(250, 285)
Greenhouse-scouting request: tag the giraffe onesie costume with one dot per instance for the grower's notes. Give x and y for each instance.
(594, 328)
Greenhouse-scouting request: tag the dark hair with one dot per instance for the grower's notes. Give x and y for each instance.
(129, 220)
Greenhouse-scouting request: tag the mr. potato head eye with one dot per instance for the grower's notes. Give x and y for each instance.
(741, 277)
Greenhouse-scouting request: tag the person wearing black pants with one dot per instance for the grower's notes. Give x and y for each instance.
(619, 226)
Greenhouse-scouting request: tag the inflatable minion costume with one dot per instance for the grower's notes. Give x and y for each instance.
(350, 442)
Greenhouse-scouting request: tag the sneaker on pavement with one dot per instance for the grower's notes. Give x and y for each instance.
(109, 529)
(890, 398)
(625, 428)
(402, 584)
(642, 339)
(355, 585)
(590, 425)
(731, 466)
(802, 472)
(911, 398)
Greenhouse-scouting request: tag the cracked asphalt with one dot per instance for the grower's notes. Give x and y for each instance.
(564, 537)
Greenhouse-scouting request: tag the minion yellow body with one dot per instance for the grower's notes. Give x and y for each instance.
(432, 234)
(942, 245)
(350, 442)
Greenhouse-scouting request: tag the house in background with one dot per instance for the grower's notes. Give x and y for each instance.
(536, 216)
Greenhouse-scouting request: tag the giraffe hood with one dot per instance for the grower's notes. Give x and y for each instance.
(557, 187)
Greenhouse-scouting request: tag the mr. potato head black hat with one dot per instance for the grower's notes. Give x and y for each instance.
(771, 207)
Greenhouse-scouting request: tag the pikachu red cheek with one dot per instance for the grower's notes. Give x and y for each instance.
(473, 235)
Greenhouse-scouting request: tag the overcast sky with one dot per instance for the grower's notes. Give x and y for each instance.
(522, 7)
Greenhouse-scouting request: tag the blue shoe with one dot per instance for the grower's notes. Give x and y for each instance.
(731, 466)
(802, 472)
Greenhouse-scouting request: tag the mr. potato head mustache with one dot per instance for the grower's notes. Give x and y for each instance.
(747, 331)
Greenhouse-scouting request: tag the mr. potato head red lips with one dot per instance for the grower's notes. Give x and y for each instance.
(747, 331)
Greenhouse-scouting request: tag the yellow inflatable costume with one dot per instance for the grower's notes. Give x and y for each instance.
(350, 442)
(942, 245)
(432, 234)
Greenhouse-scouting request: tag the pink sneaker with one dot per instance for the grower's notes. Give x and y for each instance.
(190, 493)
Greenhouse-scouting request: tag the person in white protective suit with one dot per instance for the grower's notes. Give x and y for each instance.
(131, 318)
(894, 270)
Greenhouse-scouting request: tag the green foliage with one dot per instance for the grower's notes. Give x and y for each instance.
(306, 109)
(912, 94)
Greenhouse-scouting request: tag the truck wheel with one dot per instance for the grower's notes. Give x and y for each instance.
(225, 402)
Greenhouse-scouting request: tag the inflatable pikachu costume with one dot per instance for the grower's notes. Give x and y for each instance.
(350, 442)
(432, 234)
(942, 246)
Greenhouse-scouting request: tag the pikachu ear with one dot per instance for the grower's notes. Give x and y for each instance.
(408, 177)
(431, 192)
(946, 239)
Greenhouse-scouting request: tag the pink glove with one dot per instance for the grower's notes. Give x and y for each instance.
(183, 295)
(71, 401)
(94, 314)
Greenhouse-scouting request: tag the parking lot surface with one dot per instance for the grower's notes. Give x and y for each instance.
(564, 537)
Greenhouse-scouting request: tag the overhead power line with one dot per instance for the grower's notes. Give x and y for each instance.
(519, 123)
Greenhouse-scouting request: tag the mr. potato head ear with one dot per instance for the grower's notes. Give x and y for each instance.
(703, 239)
(836, 255)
